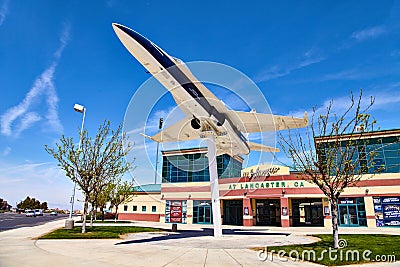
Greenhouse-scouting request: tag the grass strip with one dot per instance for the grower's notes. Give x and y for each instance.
(357, 248)
(96, 232)
(99, 221)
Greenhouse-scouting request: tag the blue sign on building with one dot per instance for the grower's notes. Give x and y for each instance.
(387, 211)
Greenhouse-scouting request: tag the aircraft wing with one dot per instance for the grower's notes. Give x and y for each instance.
(180, 131)
(258, 122)
(261, 147)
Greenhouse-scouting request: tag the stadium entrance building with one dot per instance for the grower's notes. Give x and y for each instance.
(260, 195)
(270, 195)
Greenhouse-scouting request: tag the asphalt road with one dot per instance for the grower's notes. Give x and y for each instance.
(14, 220)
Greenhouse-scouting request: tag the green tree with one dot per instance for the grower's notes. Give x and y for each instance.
(4, 205)
(99, 161)
(335, 163)
(102, 200)
(31, 203)
(43, 206)
(119, 192)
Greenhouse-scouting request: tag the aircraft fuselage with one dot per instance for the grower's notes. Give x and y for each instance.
(208, 114)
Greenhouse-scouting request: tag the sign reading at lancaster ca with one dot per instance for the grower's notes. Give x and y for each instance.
(266, 185)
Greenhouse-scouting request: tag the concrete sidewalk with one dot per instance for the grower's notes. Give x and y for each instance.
(193, 245)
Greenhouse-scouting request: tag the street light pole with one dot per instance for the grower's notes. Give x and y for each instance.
(158, 145)
(80, 109)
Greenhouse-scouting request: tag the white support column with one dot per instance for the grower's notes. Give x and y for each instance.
(216, 205)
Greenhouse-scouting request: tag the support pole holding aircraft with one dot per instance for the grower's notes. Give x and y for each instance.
(216, 205)
(160, 124)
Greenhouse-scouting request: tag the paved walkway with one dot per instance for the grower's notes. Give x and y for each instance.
(193, 245)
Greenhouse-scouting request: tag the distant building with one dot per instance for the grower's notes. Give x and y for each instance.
(144, 205)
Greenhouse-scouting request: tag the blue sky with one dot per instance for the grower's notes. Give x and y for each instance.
(54, 54)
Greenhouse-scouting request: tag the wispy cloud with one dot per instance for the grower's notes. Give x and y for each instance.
(357, 73)
(310, 57)
(6, 151)
(395, 53)
(170, 115)
(65, 36)
(368, 33)
(349, 74)
(110, 3)
(21, 114)
(27, 121)
(384, 100)
(138, 130)
(4, 11)
(387, 96)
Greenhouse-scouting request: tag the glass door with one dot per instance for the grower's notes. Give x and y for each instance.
(316, 215)
(268, 212)
(233, 212)
(202, 211)
(201, 215)
(348, 215)
(352, 211)
(204, 214)
(207, 214)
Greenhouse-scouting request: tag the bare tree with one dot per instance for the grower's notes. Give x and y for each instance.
(100, 160)
(331, 152)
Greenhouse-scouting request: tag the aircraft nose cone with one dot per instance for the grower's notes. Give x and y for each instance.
(116, 26)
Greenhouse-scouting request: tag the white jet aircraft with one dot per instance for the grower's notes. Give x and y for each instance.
(205, 114)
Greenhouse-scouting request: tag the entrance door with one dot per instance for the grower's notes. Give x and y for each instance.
(204, 214)
(316, 217)
(307, 212)
(202, 211)
(233, 212)
(268, 212)
(348, 215)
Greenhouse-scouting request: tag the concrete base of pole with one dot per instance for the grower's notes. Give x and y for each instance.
(69, 224)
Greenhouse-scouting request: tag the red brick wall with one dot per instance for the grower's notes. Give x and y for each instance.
(148, 217)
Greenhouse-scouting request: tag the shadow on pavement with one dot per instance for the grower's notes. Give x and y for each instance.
(196, 233)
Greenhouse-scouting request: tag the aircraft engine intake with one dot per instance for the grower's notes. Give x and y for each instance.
(195, 123)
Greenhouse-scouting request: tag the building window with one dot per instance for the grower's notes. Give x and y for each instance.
(125, 207)
(194, 168)
(153, 208)
(228, 167)
(134, 208)
(144, 208)
(374, 154)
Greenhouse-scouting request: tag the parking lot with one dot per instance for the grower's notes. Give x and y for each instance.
(14, 220)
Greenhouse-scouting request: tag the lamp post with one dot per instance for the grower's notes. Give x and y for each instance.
(69, 224)
(158, 144)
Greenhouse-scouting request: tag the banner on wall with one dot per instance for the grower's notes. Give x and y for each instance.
(175, 211)
(387, 211)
